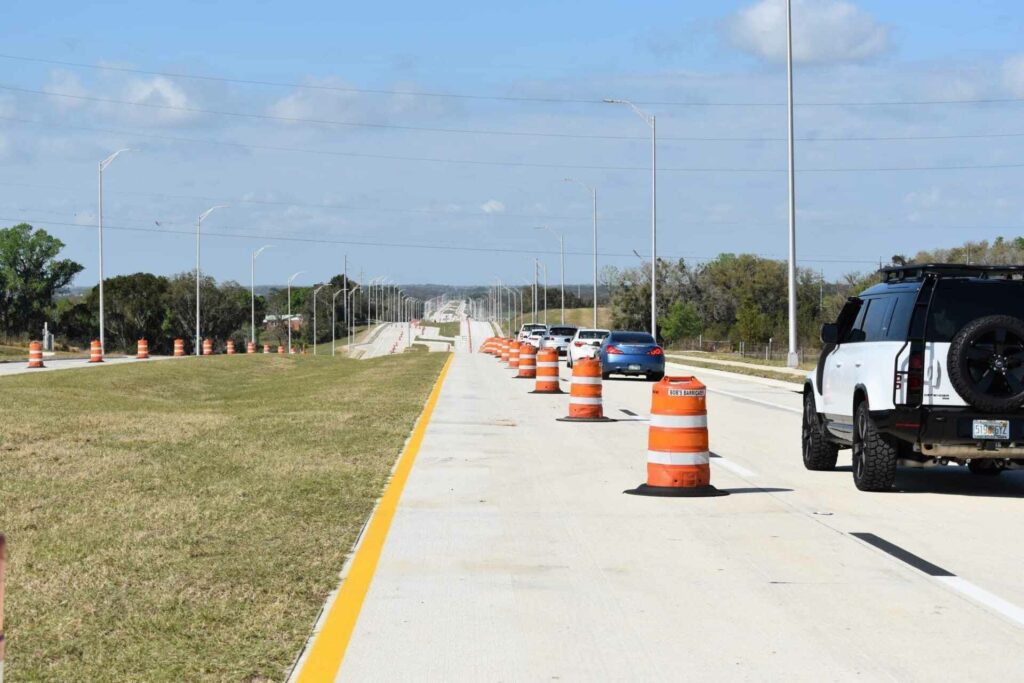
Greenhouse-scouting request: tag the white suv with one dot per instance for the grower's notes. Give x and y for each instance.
(586, 343)
(924, 369)
(527, 330)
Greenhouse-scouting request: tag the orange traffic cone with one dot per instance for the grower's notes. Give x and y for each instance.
(678, 455)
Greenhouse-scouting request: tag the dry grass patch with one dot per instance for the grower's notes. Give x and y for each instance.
(185, 520)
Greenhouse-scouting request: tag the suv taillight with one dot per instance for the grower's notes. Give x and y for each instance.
(578, 344)
(915, 378)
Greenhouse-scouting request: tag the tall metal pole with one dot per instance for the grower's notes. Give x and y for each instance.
(252, 288)
(334, 317)
(793, 359)
(199, 231)
(654, 227)
(290, 309)
(593, 192)
(99, 225)
(536, 275)
(653, 123)
(315, 292)
(344, 302)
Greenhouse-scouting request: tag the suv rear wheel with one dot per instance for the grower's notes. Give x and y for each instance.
(874, 454)
(820, 454)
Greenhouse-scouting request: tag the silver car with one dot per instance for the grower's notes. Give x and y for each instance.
(537, 333)
(558, 337)
(527, 329)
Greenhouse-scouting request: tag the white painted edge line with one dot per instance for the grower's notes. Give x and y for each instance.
(769, 404)
(733, 467)
(982, 596)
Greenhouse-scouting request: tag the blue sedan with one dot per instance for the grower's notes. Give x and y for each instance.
(632, 353)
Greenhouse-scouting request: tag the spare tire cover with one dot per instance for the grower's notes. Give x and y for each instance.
(986, 363)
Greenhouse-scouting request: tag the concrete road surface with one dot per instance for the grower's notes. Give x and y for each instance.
(515, 556)
(51, 364)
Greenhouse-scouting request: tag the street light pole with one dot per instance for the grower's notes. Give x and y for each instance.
(315, 292)
(651, 121)
(99, 224)
(252, 287)
(334, 316)
(290, 309)
(593, 194)
(199, 231)
(561, 250)
(351, 324)
(793, 359)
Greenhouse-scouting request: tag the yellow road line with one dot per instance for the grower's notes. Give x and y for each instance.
(329, 645)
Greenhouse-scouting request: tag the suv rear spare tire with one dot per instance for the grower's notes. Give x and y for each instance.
(986, 363)
(874, 453)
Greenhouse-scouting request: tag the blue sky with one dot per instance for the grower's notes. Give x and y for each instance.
(308, 187)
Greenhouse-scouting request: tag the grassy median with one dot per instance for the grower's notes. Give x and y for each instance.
(185, 519)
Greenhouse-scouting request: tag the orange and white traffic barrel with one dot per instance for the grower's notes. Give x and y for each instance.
(506, 349)
(142, 350)
(266, 348)
(513, 355)
(95, 351)
(585, 403)
(678, 454)
(35, 355)
(250, 347)
(231, 347)
(179, 348)
(280, 348)
(207, 347)
(547, 372)
(527, 361)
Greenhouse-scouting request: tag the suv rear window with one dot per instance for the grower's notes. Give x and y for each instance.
(958, 302)
(562, 331)
(592, 334)
(631, 338)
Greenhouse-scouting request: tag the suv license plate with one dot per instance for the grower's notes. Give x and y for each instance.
(992, 429)
(634, 367)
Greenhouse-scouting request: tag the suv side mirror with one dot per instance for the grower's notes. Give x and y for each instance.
(830, 333)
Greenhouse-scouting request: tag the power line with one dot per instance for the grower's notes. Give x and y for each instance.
(880, 138)
(516, 164)
(396, 245)
(504, 98)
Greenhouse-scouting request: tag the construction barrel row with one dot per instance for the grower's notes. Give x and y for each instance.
(35, 350)
(678, 451)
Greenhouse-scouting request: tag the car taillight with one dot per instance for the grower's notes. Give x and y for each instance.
(614, 350)
(656, 351)
(915, 378)
(578, 344)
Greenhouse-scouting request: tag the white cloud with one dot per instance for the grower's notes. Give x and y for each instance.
(66, 83)
(823, 31)
(312, 103)
(1013, 74)
(161, 92)
(492, 206)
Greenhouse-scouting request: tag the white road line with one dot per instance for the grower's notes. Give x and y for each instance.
(757, 400)
(734, 468)
(982, 596)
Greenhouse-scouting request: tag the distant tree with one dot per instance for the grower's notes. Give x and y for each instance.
(30, 276)
(224, 310)
(682, 322)
(135, 308)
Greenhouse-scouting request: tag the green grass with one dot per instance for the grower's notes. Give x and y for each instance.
(185, 520)
(712, 356)
(740, 370)
(580, 317)
(450, 330)
(14, 354)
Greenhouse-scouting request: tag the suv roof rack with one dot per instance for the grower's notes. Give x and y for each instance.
(917, 271)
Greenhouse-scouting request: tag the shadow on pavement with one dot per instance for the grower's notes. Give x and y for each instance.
(757, 489)
(958, 481)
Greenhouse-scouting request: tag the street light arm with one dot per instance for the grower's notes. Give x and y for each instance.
(261, 250)
(648, 118)
(109, 160)
(292, 278)
(204, 214)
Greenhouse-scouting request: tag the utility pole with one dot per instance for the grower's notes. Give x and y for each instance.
(793, 359)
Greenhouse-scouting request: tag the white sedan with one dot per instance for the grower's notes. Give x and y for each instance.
(585, 344)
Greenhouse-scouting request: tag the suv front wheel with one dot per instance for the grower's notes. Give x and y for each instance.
(820, 455)
(874, 454)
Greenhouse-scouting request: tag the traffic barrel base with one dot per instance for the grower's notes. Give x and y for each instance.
(706, 491)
